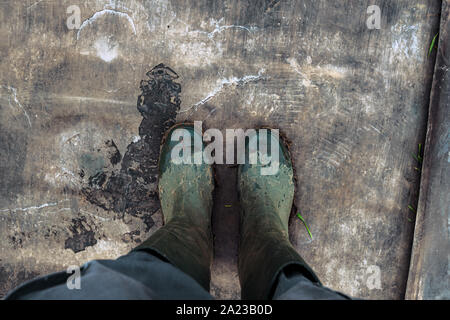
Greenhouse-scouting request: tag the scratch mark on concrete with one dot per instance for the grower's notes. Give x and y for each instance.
(308, 71)
(294, 65)
(13, 94)
(34, 4)
(45, 205)
(405, 40)
(374, 128)
(210, 113)
(93, 99)
(225, 83)
(219, 28)
(98, 14)
(65, 171)
(114, 5)
(113, 90)
(73, 136)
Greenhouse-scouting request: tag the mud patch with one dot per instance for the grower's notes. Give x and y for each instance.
(115, 155)
(132, 236)
(82, 235)
(133, 188)
(16, 240)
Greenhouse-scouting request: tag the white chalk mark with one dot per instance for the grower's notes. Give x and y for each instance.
(13, 94)
(45, 205)
(98, 14)
(225, 83)
(218, 28)
(106, 50)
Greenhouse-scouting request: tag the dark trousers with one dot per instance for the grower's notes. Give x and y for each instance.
(142, 275)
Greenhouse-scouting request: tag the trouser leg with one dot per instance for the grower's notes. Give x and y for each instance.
(264, 252)
(186, 245)
(291, 284)
(137, 275)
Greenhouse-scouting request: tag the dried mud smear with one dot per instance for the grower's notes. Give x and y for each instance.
(133, 189)
(83, 235)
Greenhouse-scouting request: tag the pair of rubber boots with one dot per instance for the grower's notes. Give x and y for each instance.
(186, 196)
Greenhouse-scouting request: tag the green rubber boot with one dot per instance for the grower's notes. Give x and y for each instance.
(185, 193)
(266, 202)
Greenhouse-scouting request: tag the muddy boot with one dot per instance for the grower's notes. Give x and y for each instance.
(266, 202)
(185, 192)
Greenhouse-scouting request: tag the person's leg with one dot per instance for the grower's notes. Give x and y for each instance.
(137, 275)
(265, 253)
(174, 263)
(185, 192)
(291, 284)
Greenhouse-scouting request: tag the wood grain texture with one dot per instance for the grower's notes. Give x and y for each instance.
(429, 274)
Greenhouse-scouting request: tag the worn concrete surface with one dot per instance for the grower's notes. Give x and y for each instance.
(353, 101)
(429, 275)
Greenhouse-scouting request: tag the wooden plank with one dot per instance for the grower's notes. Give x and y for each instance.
(429, 274)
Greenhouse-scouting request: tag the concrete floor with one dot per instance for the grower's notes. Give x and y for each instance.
(78, 167)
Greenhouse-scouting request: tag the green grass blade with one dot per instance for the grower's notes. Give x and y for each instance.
(303, 220)
(432, 44)
(410, 207)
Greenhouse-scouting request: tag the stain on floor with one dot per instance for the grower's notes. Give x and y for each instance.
(82, 236)
(132, 189)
